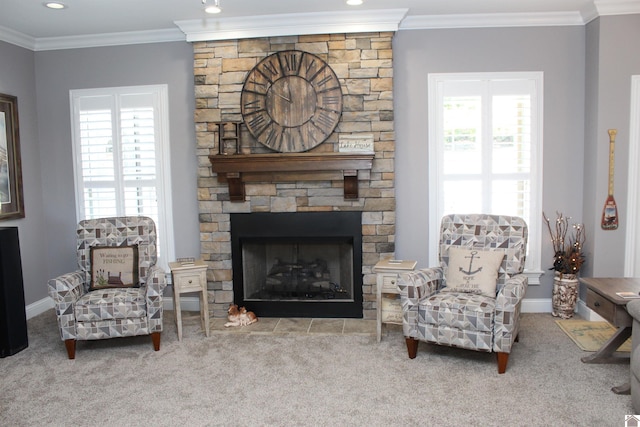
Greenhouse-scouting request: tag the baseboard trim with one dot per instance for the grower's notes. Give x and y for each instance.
(588, 314)
(186, 303)
(536, 305)
(39, 307)
(531, 305)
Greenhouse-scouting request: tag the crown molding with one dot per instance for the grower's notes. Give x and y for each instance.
(320, 23)
(19, 39)
(492, 20)
(110, 39)
(617, 7)
(292, 24)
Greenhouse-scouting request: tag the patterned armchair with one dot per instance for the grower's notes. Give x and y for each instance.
(438, 315)
(85, 314)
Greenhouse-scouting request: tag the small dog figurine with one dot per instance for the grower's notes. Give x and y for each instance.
(233, 314)
(247, 317)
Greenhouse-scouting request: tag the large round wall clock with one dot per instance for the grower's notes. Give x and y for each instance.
(291, 101)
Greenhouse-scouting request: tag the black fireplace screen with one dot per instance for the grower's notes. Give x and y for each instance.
(298, 264)
(297, 271)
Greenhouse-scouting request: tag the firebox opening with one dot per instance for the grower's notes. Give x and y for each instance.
(298, 264)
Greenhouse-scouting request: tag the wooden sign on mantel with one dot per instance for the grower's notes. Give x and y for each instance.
(362, 143)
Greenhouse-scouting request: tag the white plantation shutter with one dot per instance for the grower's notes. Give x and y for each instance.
(139, 161)
(121, 164)
(96, 163)
(485, 145)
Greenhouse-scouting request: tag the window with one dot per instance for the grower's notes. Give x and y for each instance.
(121, 152)
(485, 150)
(632, 248)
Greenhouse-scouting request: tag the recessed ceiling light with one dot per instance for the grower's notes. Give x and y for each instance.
(354, 2)
(215, 8)
(55, 5)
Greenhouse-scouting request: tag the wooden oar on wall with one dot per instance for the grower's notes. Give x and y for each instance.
(610, 211)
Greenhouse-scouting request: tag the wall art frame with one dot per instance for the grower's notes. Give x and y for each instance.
(11, 197)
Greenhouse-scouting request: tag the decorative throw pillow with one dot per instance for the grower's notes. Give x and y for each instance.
(473, 271)
(114, 267)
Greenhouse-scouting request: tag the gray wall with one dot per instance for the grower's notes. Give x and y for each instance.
(559, 52)
(57, 72)
(605, 46)
(612, 58)
(17, 78)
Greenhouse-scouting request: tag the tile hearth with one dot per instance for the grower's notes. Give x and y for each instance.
(289, 326)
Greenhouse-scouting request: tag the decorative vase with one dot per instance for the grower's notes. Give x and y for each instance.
(565, 295)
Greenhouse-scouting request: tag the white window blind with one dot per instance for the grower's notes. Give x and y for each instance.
(122, 156)
(485, 146)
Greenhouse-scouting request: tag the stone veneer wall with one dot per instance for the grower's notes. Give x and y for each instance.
(363, 63)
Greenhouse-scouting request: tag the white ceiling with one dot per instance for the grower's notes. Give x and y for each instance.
(26, 22)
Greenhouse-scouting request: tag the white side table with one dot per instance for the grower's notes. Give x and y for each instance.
(190, 278)
(388, 297)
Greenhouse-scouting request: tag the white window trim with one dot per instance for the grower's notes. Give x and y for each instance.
(632, 249)
(435, 82)
(163, 159)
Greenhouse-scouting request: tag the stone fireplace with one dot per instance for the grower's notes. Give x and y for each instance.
(363, 64)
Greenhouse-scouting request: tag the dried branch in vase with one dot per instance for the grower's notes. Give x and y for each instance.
(568, 256)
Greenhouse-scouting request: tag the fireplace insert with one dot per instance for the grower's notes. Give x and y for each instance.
(306, 264)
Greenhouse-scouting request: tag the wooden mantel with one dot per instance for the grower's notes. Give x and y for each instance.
(236, 169)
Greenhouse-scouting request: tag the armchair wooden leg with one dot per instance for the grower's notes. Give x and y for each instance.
(503, 358)
(412, 347)
(71, 348)
(155, 337)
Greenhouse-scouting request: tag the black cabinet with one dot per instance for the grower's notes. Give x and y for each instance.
(13, 319)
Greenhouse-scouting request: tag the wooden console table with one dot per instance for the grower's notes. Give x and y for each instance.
(602, 298)
(236, 169)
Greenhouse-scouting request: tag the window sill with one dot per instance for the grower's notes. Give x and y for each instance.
(534, 276)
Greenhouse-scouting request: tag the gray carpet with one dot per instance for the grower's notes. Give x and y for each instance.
(293, 380)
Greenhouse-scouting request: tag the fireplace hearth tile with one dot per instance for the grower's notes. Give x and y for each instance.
(264, 325)
(293, 325)
(289, 326)
(359, 326)
(327, 326)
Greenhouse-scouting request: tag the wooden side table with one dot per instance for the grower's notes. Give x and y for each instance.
(190, 277)
(602, 298)
(388, 297)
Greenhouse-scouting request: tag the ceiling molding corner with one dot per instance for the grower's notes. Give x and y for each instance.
(292, 24)
(589, 13)
(491, 20)
(16, 38)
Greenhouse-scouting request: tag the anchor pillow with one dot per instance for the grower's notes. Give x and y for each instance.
(114, 267)
(474, 271)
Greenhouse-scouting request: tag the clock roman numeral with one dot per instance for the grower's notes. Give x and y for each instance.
(330, 100)
(257, 120)
(310, 66)
(325, 80)
(255, 83)
(253, 106)
(271, 70)
(273, 136)
(324, 122)
(258, 124)
(291, 63)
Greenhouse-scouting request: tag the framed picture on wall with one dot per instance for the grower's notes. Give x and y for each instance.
(11, 198)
